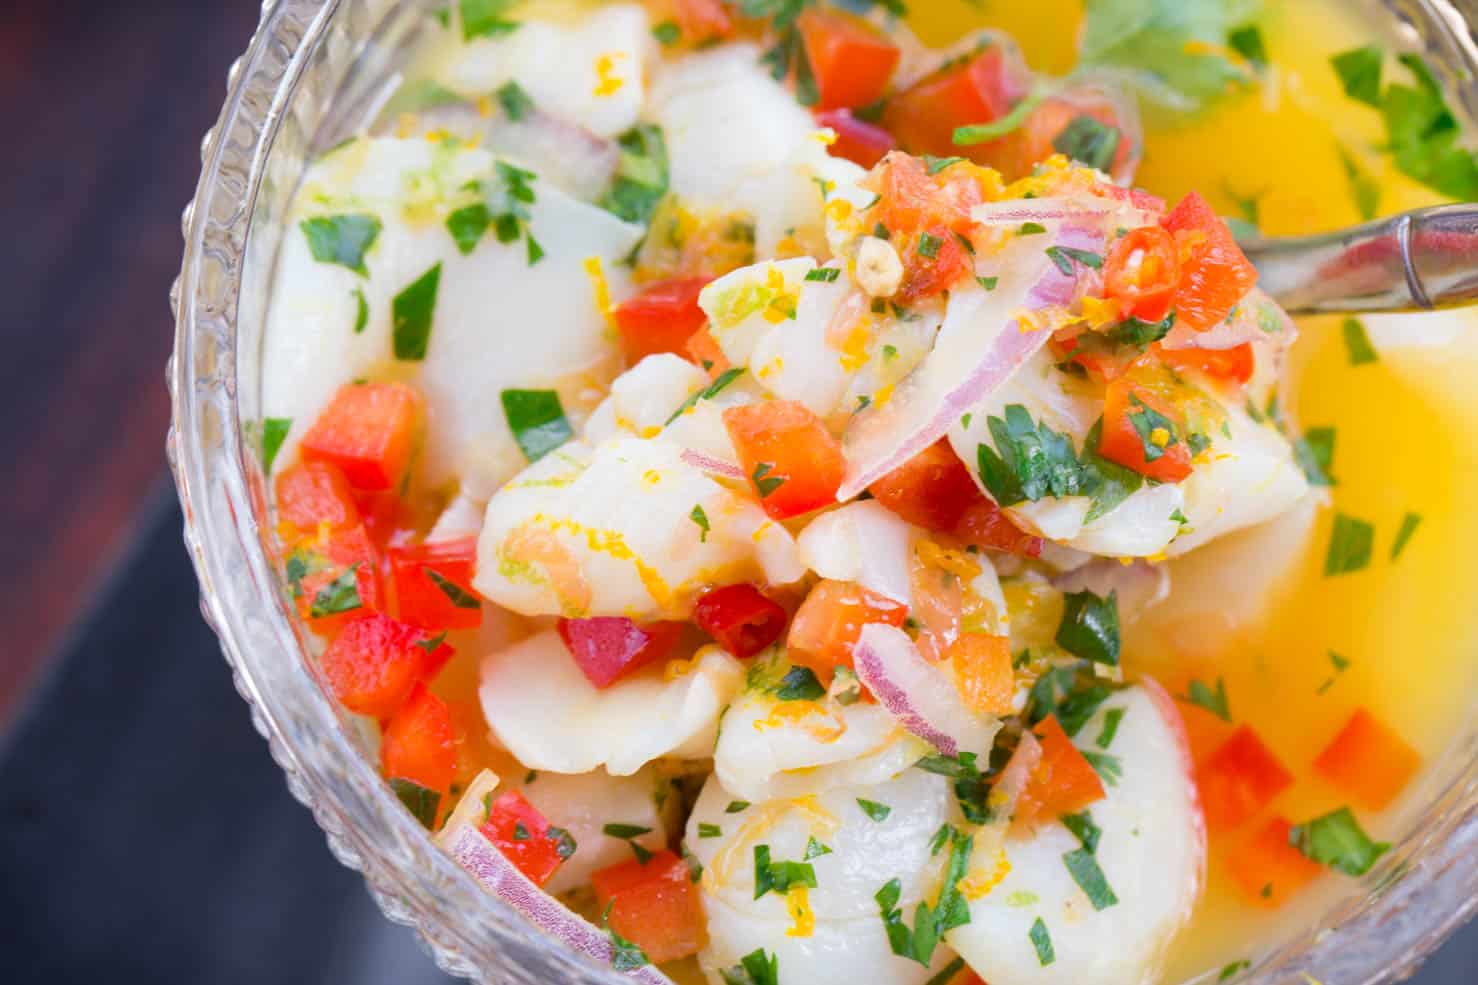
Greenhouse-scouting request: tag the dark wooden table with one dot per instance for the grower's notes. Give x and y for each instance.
(148, 836)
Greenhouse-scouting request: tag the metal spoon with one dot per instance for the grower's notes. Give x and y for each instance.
(1415, 261)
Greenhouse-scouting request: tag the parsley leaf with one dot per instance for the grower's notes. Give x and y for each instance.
(484, 18)
(1089, 141)
(755, 968)
(736, 806)
(699, 517)
(341, 239)
(1042, 942)
(1247, 42)
(274, 432)
(625, 831)
(411, 313)
(459, 596)
(339, 595)
(1083, 866)
(1337, 840)
(814, 849)
(1111, 720)
(667, 33)
(515, 100)
(1063, 256)
(765, 483)
(537, 421)
(1029, 461)
(800, 684)
(1084, 829)
(1359, 71)
(642, 175)
(1350, 542)
(467, 226)
(778, 877)
(1409, 523)
(1314, 452)
(1203, 696)
(1357, 343)
(1090, 627)
(713, 389)
(421, 802)
(878, 812)
(709, 830)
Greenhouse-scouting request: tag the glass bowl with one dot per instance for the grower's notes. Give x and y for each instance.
(305, 81)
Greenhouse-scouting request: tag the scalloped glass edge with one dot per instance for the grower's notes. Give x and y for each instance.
(282, 95)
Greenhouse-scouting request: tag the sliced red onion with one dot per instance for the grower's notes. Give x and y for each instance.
(1047, 209)
(981, 343)
(919, 694)
(500, 877)
(1138, 586)
(711, 465)
(1250, 322)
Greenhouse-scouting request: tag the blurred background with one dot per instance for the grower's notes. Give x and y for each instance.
(147, 835)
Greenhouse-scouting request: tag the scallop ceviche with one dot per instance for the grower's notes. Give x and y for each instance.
(778, 496)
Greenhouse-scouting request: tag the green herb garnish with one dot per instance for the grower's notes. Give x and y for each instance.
(1090, 627)
(1337, 840)
(421, 802)
(537, 421)
(341, 239)
(1350, 543)
(411, 314)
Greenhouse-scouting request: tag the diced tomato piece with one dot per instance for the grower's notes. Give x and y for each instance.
(386, 517)
(858, 141)
(931, 490)
(655, 905)
(322, 589)
(521, 833)
(374, 661)
(851, 60)
(933, 262)
(662, 318)
(1214, 272)
(313, 493)
(433, 584)
(370, 431)
(983, 673)
(830, 620)
(1239, 780)
(419, 743)
(1141, 272)
(1037, 139)
(924, 117)
(1368, 761)
(984, 524)
(1234, 365)
(702, 348)
(1064, 782)
(1269, 869)
(741, 618)
(608, 648)
(1137, 425)
(793, 462)
(704, 20)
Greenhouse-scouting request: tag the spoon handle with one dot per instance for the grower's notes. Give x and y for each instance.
(1415, 261)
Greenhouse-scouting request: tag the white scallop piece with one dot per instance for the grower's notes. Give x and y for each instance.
(744, 305)
(311, 347)
(1152, 852)
(541, 707)
(862, 542)
(849, 943)
(591, 71)
(609, 531)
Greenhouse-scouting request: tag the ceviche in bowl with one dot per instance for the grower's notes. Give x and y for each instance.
(783, 491)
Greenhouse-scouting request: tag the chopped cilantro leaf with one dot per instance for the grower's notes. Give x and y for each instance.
(709, 831)
(1350, 543)
(1357, 343)
(432, 644)
(938, 164)
(1364, 189)
(520, 833)
(1232, 969)
(1109, 768)
(1247, 42)
(1340, 665)
(1084, 828)
(1314, 452)
(341, 239)
(1337, 840)
(1089, 141)
(1132, 331)
(421, 802)
(667, 33)
(1176, 53)
(1359, 71)
(1409, 523)
(642, 176)
(1042, 942)
(361, 311)
(765, 483)
(515, 100)
(537, 421)
(1083, 866)
(1063, 256)
(1111, 720)
(1090, 627)
(713, 389)
(756, 968)
(411, 314)
(948, 972)
(274, 432)
(778, 877)
(625, 831)
(1201, 695)
(800, 684)
(736, 806)
(564, 842)
(701, 519)
(824, 275)
(814, 849)
(878, 812)
(989, 283)
(1029, 461)
(484, 18)
(339, 595)
(1030, 229)
(459, 596)
(929, 246)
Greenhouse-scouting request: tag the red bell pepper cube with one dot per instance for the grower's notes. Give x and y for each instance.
(851, 60)
(1214, 272)
(419, 743)
(662, 318)
(312, 493)
(1240, 780)
(370, 431)
(433, 584)
(654, 904)
(608, 648)
(374, 662)
(741, 618)
(524, 836)
(793, 462)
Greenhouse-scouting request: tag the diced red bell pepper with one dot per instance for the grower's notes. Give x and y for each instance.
(608, 648)
(654, 904)
(984, 524)
(1368, 762)
(1214, 272)
(1269, 869)
(933, 262)
(852, 61)
(924, 117)
(704, 20)
(793, 462)
(860, 142)
(662, 318)
(829, 623)
(1143, 432)
(518, 830)
(702, 348)
(741, 618)
(370, 431)
(983, 672)
(433, 584)
(1141, 272)
(322, 592)
(1234, 365)
(387, 518)
(1064, 782)
(374, 661)
(931, 490)
(419, 743)
(313, 493)
(1239, 780)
